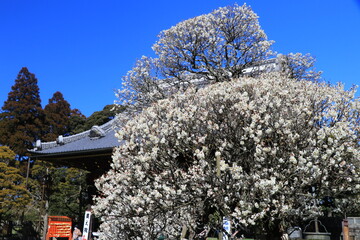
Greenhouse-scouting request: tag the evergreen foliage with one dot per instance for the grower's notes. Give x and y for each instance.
(6, 155)
(65, 189)
(57, 117)
(77, 121)
(22, 117)
(13, 193)
(100, 117)
(69, 194)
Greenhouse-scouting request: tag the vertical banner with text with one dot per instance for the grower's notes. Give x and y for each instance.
(87, 226)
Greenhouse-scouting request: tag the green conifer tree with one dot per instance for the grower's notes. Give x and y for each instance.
(22, 117)
(57, 117)
(13, 193)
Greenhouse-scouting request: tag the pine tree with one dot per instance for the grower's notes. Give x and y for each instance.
(7, 155)
(22, 117)
(13, 193)
(57, 117)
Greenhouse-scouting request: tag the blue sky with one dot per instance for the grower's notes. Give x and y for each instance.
(82, 48)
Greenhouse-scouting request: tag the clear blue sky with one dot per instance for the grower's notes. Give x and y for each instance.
(82, 48)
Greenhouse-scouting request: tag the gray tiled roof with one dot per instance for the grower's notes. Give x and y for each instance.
(98, 138)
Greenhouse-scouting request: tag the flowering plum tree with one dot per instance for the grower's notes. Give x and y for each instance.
(214, 47)
(249, 149)
(299, 66)
(217, 46)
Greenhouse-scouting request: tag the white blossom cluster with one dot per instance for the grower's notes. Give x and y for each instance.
(249, 149)
(222, 45)
(299, 66)
(213, 47)
(218, 45)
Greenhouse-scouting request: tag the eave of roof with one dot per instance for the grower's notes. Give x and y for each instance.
(65, 154)
(99, 138)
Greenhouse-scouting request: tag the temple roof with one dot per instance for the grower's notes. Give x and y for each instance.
(90, 150)
(98, 137)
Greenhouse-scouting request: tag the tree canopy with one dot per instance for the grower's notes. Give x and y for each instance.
(212, 47)
(100, 117)
(250, 149)
(222, 45)
(222, 129)
(66, 190)
(22, 117)
(6, 155)
(13, 193)
(216, 46)
(57, 117)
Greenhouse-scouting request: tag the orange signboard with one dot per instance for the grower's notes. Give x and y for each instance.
(59, 226)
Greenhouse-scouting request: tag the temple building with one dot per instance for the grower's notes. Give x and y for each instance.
(90, 150)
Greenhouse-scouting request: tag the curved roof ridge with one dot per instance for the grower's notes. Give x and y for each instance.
(106, 127)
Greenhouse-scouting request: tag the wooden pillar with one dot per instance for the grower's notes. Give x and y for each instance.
(345, 227)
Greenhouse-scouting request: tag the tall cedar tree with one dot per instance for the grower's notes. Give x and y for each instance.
(57, 117)
(22, 117)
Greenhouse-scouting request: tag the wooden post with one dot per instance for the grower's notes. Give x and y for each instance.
(45, 219)
(345, 225)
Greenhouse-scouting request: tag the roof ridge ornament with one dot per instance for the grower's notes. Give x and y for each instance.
(96, 132)
(38, 144)
(60, 140)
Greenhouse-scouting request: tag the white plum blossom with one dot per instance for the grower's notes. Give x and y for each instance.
(250, 149)
(219, 46)
(299, 66)
(215, 46)
(209, 48)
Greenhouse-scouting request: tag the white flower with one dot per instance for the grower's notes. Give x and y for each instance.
(269, 155)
